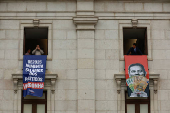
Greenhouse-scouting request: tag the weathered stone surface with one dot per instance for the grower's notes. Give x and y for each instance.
(63, 24)
(85, 5)
(20, 6)
(107, 24)
(86, 53)
(3, 6)
(166, 7)
(56, 6)
(111, 34)
(59, 34)
(86, 105)
(86, 73)
(2, 34)
(99, 54)
(134, 7)
(152, 7)
(112, 6)
(71, 54)
(99, 34)
(9, 24)
(85, 34)
(100, 74)
(86, 84)
(36, 6)
(86, 94)
(71, 34)
(65, 105)
(85, 43)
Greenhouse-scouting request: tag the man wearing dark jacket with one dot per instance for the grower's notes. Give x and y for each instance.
(134, 50)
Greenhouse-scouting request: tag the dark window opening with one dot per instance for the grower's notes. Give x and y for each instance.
(137, 104)
(135, 35)
(32, 104)
(36, 36)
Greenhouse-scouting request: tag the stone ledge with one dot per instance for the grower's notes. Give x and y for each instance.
(85, 20)
(50, 77)
(47, 76)
(50, 59)
(120, 78)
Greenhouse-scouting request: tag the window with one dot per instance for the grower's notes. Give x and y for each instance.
(135, 35)
(34, 36)
(32, 104)
(137, 104)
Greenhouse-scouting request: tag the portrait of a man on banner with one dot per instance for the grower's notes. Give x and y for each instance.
(137, 76)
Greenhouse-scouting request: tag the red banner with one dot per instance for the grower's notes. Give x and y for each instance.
(137, 75)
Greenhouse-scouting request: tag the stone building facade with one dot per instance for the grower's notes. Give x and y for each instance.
(85, 62)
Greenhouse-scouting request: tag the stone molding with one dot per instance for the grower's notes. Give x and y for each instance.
(36, 23)
(135, 23)
(85, 23)
(50, 77)
(121, 79)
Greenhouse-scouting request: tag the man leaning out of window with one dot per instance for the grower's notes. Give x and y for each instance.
(37, 51)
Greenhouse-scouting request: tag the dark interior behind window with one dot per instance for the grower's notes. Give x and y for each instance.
(135, 35)
(36, 36)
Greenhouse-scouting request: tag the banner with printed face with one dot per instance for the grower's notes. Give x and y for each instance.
(137, 75)
(34, 67)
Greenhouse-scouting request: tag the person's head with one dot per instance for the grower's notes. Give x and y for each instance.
(134, 45)
(136, 70)
(29, 50)
(38, 46)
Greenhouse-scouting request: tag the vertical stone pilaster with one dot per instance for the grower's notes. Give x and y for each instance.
(86, 75)
(52, 102)
(85, 22)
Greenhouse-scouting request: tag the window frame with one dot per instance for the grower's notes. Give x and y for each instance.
(145, 40)
(137, 103)
(34, 103)
(24, 38)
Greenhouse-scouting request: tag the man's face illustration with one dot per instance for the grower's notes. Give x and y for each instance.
(136, 71)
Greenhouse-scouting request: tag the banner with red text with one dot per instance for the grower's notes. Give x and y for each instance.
(34, 67)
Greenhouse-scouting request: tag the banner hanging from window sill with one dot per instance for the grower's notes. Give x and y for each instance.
(34, 67)
(137, 75)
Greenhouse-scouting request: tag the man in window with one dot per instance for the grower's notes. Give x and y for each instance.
(134, 50)
(137, 81)
(37, 51)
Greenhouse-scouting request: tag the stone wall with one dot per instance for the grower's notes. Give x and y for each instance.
(84, 58)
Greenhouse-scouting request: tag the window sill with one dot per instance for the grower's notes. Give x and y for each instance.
(121, 81)
(50, 80)
(122, 59)
(47, 59)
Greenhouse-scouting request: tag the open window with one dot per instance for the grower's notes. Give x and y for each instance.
(35, 36)
(135, 35)
(137, 104)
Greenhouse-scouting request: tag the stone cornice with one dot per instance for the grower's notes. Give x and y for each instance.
(85, 20)
(47, 76)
